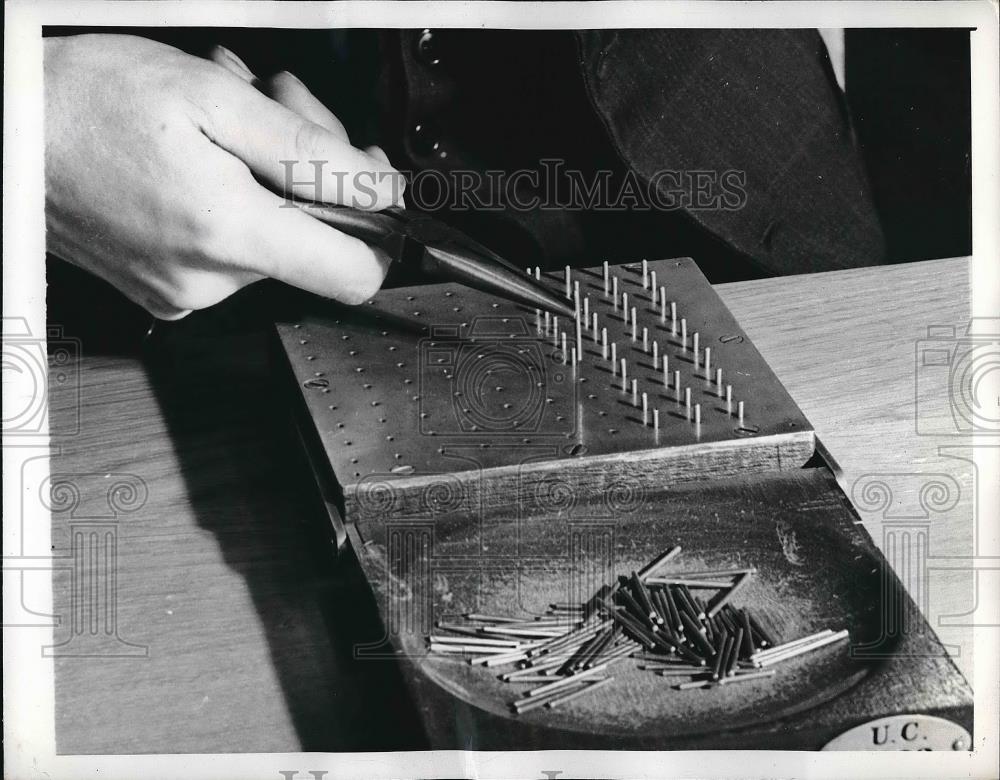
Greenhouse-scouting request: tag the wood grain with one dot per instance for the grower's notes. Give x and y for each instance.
(255, 652)
(249, 626)
(845, 345)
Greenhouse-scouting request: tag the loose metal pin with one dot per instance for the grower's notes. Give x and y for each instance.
(659, 562)
(589, 687)
(748, 648)
(790, 645)
(708, 363)
(675, 616)
(495, 659)
(565, 681)
(733, 656)
(642, 596)
(718, 381)
(717, 573)
(472, 647)
(536, 678)
(745, 677)
(607, 275)
(720, 658)
(692, 631)
(739, 412)
(690, 582)
(804, 648)
(528, 704)
(674, 671)
(720, 601)
(469, 640)
(662, 611)
(481, 618)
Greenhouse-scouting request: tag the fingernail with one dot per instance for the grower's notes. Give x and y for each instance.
(236, 61)
(294, 78)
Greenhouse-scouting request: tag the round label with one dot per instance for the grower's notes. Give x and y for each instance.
(903, 732)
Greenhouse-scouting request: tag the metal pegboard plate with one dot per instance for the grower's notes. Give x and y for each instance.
(400, 385)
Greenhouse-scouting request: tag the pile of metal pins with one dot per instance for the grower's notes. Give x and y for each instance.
(655, 618)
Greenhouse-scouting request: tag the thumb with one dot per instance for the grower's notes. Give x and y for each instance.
(291, 153)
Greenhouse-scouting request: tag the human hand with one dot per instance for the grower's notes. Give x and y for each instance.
(151, 157)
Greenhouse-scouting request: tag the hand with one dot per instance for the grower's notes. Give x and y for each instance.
(151, 157)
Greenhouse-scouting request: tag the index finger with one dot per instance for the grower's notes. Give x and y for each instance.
(290, 152)
(284, 243)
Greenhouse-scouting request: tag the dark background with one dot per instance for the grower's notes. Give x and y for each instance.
(908, 92)
(910, 98)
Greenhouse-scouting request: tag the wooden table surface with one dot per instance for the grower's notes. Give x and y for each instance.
(246, 622)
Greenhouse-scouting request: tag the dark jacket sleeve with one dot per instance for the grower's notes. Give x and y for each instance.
(763, 102)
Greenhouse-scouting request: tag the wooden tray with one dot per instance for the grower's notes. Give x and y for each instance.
(817, 568)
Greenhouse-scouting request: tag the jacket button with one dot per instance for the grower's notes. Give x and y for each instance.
(426, 49)
(425, 139)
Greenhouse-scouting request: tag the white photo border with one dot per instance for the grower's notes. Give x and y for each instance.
(29, 699)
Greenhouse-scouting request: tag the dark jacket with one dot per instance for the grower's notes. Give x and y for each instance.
(762, 105)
